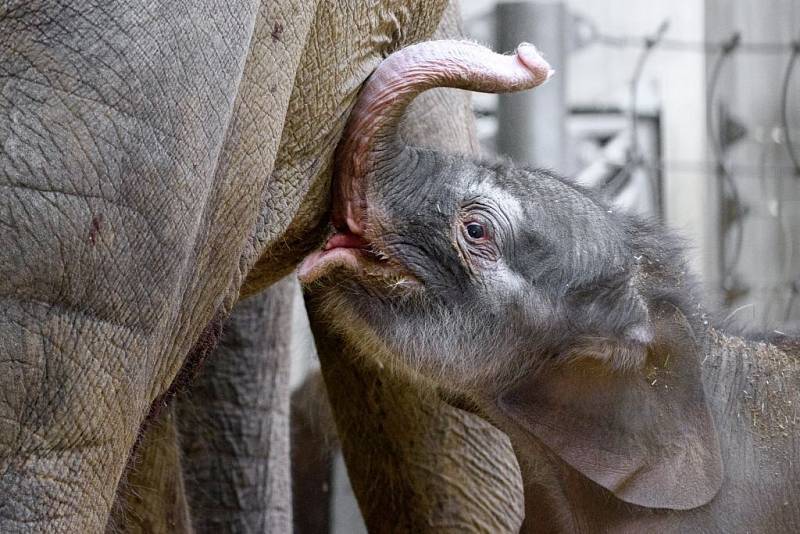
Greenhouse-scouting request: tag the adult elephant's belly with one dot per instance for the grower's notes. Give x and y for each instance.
(292, 222)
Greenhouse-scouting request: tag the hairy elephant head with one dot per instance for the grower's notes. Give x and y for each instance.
(518, 290)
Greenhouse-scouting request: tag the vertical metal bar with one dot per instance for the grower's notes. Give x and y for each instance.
(532, 124)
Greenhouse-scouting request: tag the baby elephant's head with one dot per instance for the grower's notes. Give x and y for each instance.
(450, 262)
(516, 292)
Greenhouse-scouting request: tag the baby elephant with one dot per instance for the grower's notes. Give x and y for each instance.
(572, 327)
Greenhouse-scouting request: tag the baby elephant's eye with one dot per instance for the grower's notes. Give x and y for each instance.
(476, 241)
(476, 230)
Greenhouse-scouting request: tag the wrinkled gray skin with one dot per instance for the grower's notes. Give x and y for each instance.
(234, 420)
(159, 162)
(572, 328)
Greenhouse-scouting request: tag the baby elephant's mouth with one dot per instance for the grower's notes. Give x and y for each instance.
(357, 257)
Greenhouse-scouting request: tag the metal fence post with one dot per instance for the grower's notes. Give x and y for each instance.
(532, 124)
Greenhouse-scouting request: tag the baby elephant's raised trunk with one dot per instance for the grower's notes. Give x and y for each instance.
(371, 130)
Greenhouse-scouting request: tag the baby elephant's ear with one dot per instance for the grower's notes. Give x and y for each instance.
(616, 322)
(644, 433)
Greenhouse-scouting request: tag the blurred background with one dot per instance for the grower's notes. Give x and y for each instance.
(687, 110)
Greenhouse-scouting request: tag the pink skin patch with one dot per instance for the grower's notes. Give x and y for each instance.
(353, 253)
(320, 262)
(371, 129)
(346, 241)
(341, 250)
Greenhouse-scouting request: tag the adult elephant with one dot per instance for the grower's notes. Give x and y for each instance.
(160, 162)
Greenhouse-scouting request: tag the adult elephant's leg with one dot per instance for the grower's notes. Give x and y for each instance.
(116, 250)
(152, 497)
(314, 446)
(234, 422)
(415, 463)
(226, 432)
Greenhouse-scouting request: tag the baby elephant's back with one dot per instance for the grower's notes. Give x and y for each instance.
(754, 394)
